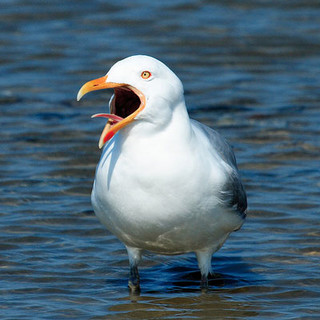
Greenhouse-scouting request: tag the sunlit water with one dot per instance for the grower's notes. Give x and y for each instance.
(251, 69)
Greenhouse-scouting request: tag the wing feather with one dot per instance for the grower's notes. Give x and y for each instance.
(233, 193)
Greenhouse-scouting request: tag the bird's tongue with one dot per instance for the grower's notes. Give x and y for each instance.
(110, 116)
(107, 133)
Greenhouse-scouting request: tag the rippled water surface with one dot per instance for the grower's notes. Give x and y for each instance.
(251, 69)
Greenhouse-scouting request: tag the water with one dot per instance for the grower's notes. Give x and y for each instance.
(251, 69)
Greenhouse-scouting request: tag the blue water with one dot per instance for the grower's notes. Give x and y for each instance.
(251, 70)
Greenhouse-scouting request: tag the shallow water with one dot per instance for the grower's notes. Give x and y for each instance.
(251, 69)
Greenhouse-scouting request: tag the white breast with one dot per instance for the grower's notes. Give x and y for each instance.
(177, 210)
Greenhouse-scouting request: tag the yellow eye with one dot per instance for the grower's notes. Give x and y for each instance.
(145, 74)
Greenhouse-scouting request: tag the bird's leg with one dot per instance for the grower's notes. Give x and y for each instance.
(134, 279)
(204, 282)
(134, 255)
(204, 261)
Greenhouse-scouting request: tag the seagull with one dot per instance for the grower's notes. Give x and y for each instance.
(165, 183)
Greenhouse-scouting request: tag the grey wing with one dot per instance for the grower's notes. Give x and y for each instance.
(233, 193)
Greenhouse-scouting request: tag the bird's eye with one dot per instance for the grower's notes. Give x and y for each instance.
(145, 74)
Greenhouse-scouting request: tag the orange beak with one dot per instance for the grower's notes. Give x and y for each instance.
(110, 128)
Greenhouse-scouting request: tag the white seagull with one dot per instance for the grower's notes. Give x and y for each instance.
(165, 183)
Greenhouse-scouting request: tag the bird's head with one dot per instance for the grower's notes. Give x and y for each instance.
(144, 89)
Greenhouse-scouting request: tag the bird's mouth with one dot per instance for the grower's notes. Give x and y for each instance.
(125, 105)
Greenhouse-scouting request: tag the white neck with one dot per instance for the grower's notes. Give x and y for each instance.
(174, 127)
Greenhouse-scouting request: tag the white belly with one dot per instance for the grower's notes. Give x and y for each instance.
(174, 212)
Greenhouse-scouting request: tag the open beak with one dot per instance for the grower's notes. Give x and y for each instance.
(127, 103)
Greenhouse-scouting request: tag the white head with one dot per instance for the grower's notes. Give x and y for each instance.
(145, 89)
